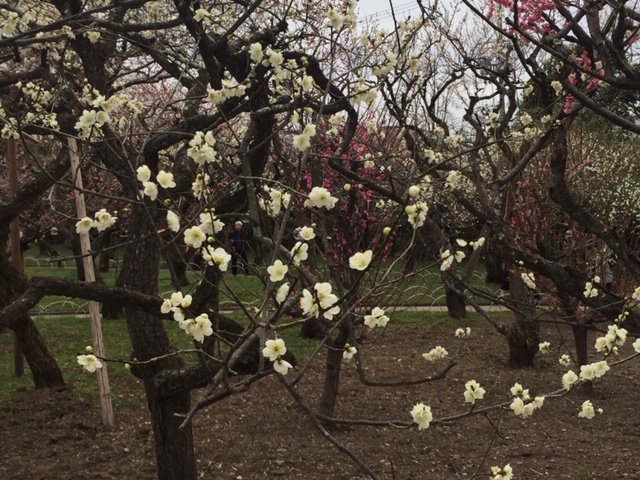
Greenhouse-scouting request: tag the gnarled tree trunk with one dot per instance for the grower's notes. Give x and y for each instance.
(174, 447)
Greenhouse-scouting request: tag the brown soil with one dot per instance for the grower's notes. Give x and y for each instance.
(263, 434)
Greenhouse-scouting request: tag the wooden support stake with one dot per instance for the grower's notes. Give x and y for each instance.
(90, 276)
(16, 248)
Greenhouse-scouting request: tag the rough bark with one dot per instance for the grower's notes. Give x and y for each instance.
(173, 447)
(523, 336)
(44, 368)
(333, 366)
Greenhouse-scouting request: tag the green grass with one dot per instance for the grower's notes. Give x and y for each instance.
(66, 337)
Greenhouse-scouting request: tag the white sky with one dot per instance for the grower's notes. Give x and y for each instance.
(381, 10)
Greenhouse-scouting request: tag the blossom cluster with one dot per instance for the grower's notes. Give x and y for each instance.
(377, 318)
(102, 221)
(274, 350)
(320, 197)
(523, 405)
(276, 201)
(436, 353)
(198, 327)
(164, 179)
(473, 391)
(319, 302)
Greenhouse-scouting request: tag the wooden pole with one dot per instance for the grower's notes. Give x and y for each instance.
(16, 248)
(90, 276)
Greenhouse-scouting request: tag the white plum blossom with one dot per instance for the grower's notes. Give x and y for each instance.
(593, 370)
(416, 214)
(201, 148)
(568, 379)
(320, 197)
(218, 256)
(590, 290)
(421, 415)
(255, 52)
(94, 37)
(543, 347)
(436, 353)
(414, 191)
(453, 178)
(104, 220)
(377, 318)
(349, 352)
(282, 292)
(173, 221)
(277, 271)
(462, 332)
(150, 190)
(165, 179)
(360, 260)
(587, 411)
(209, 223)
(473, 391)
(636, 345)
(307, 233)
(498, 473)
(89, 362)
(636, 294)
(201, 327)
(194, 237)
(274, 349)
(478, 243)
(322, 301)
(299, 253)
(565, 360)
(84, 225)
(143, 174)
(529, 280)
(615, 337)
(282, 366)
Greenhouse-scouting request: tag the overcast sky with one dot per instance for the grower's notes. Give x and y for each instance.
(381, 10)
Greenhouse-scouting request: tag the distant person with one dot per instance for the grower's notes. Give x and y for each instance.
(239, 245)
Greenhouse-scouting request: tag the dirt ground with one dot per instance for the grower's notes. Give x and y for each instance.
(263, 434)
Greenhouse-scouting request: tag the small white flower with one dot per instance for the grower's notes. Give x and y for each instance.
(565, 360)
(89, 362)
(281, 366)
(165, 179)
(436, 353)
(543, 347)
(194, 237)
(587, 410)
(361, 260)
(277, 271)
(421, 414)
(307, 233)
(173, 221)
(473, 391)
(84, 225)
(274, 349)
(150, 190)
(568, 379)
(349, 352)
(282, 292)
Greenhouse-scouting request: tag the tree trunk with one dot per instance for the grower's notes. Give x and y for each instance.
(174, 447)
(523, 336)
(44, 369)
(332, 374)
(495, 269)
(580, 334)
(523, 339)
(455, 303)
